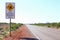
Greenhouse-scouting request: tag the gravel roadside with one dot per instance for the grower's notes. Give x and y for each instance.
(22, 32)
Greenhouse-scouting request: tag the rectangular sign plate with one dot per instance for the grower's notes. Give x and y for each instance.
(10, 10)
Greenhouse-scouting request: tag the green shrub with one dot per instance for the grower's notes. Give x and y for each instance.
(1, 39)
(15, 26)
(1, 28)
(58, 25)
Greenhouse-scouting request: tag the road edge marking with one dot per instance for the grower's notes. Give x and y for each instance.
(33, 33)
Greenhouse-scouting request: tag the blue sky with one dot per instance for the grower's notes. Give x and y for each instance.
(33, 11)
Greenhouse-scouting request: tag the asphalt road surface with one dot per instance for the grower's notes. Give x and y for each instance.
(44, 33)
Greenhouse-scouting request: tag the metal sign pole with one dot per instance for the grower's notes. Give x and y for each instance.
(10, 27)
(10, 12)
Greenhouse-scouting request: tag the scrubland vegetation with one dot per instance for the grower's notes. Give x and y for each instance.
(5, 32)
(55, 25)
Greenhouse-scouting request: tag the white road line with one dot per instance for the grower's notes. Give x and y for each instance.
(34, 34)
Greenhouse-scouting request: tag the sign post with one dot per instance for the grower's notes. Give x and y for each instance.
(10, 27)
(10, 12)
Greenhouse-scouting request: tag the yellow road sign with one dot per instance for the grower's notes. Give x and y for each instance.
(10, 10)
(10, 7)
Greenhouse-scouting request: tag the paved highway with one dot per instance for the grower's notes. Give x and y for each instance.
(44, 33)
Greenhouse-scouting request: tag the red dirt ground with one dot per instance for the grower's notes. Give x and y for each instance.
(22, 32)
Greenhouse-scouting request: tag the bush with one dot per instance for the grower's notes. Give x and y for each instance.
(15, 26)
(1, 39)
(58, 25)
(1, 28)
(48, 26)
